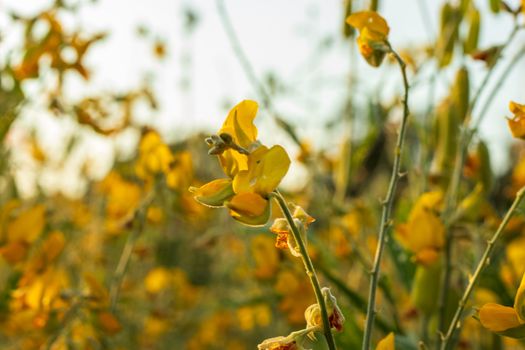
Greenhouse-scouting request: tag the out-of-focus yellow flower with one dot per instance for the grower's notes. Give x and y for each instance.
(265, 256)
(296, 295)
(373, 35)
(157, 279)
(423, 233)
(254, 170)
(504, 320)
(156, 158)
(253, 315)
(517, 122)
(155, 214)
(21, 231)
(387, 343)
(123, 199)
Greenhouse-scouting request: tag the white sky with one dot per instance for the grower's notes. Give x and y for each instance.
(277, 36)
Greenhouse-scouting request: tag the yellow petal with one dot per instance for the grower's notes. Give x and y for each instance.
(387, 343)
(239, 123)
(266, 168)
(249, 208)
(423, 234)
(28, 225)
(157, 279)
(214, 193)
(517, 122)
(517, 127)
(516, 108)
(376, 25)
(274, 166)
(519, 300)
(498, 318)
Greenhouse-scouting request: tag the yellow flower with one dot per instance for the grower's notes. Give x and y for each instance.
(254, 170)
(279, 343)
(387, 343)
(373, 35)
(517, 122)
(423, 233)
(504, 320)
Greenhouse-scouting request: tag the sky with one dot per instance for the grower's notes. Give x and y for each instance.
(279, 37)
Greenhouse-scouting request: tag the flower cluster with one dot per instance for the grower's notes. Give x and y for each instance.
(253, 170)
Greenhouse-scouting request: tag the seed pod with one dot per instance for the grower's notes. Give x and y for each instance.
(450, 20)
(485, 170)
(471, 42)
(447, 125)
(471, 206)
(348, 31)
(425, 287)
(460, 93)
(464, 6)
(344, 166)
(495, 5)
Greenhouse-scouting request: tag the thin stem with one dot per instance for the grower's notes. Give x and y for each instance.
(499, 84)
(452, 193)
(120, 271)
(310, 271)
(479, 269)
(387, 209)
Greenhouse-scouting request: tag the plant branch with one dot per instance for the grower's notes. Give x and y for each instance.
(452, 193)
(387, 208)
(310, 271)
(479, 269)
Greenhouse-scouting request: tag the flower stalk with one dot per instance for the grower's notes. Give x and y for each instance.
(385, 223)
(453, 327)
(451, 199)
(310, 271)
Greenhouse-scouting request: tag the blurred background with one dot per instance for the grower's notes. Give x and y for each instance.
(188, 53)
(104, 108)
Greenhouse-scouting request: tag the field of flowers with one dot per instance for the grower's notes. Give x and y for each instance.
(405, 236)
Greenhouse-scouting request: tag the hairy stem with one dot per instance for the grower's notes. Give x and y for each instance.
(310, 271)
(387, 209)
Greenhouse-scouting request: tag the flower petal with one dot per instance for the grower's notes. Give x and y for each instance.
(266, 169)
(239, 123)
(519, 300)
(387, 343)
(214, 193)
(375, 24)
(249, 208)
(498, 318)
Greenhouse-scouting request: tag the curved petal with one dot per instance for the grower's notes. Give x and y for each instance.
(498, 318)
(519, 300)
(249, 208)
(239, 123)
(375, 24)
(273, 167)
(214, 193)
(387, 343)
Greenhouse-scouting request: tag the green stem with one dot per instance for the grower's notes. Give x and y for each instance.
(387, 209)
(138, 225)
(358, 301)
(454, 324)
(310, 271)
(452, 193)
